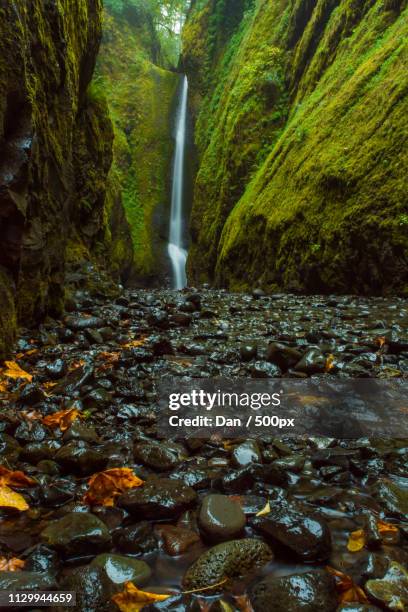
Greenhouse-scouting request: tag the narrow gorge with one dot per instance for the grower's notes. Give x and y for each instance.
(203, 305)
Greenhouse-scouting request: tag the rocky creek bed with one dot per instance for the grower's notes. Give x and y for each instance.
(192, 523)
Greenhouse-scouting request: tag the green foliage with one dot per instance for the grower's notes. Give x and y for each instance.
(301, 123)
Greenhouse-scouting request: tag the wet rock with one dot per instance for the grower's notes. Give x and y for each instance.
(56, 370)
(158, 455)
(78, 431)
(248, 351)
(162, 346)
(40, 451)
(312, 362)
(27, 581)
(220, 518)
(393, 497)
(46, 466)
(228, 560)
(30, 432)
(97, 399)
(93, 336)
(93, 589)
(57, 492)
(177, 540)
(181, 319)
(241, 480)
(309, 592)
(120, 569)
(78, 456)
(40, 558)
(158, 318)
(31, 395)
(161, 498)
(80, 532)
(246, 453)
(306, 536)
(81, 323)
(283, 355)
(135, 539)
(263, 369)
(9, 447)
(391, 591)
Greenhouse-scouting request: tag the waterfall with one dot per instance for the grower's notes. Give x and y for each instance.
(177, 253)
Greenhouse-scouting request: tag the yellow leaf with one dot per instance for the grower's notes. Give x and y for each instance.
(11, 565)
(265, 510)
(133, 600)
(62, 419)
(329, 363)
(356, 541)
(11, 500)
(13, 370)
(3, 387)
(105, 487)
(347, 589)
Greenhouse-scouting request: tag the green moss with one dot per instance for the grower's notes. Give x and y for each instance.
(332, 172)
(8, 322)
(141, 97)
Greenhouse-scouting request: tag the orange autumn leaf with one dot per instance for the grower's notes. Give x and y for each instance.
(15, 479)
(348, 591)
(357, 539)
(329, 363)
(14, 371)
(10, 500)
(62, 419)
(11, 565)
(133, 599)
(105, 487)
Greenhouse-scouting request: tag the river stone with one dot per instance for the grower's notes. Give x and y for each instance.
(309, 592)
(93, 590)
(120, 569)
(77, 456)
(393, 497)
(27, 581)
(246, 453)
(282, 355)
(161, 498)
(77, 532)
(228, 560)
(391, 591)
(305, 535)
(312, 362)
(220, 518)
(158, 456)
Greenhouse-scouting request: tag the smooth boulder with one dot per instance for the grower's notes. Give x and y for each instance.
(77, 532)
(220, 518)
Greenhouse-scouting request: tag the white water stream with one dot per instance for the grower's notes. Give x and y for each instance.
(177, 252)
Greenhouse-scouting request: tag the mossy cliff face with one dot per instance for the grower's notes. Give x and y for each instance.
(55, 153)
(141, 97)
(302, 118)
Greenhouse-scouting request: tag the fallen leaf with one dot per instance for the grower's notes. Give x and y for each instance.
(357, 539)
(14, 371)
(133, 599)
(62, 419)
(15, 479)
(49, 385)
(265, 510)
(105, 487)
(3, 387)
(9, 499)
(329, 363)
(11, 565)
(348, 591)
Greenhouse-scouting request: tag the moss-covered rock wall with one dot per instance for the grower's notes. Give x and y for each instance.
(141, 94)
(301, 125)
(55, 156)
